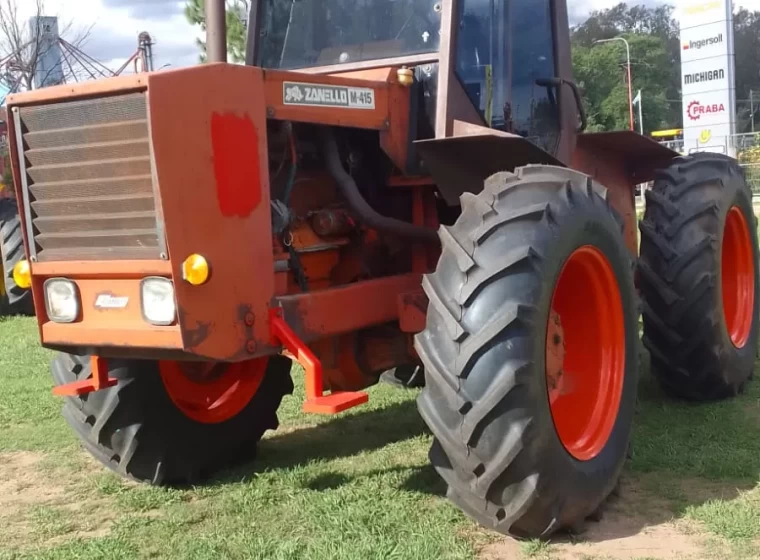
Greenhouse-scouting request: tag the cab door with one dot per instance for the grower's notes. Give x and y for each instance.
(512, 59)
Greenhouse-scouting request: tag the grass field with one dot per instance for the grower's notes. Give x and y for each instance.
(358, 486)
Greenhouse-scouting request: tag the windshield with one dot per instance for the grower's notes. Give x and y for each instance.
(304, 33)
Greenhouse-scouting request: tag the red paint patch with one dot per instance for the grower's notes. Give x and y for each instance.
(237, 170)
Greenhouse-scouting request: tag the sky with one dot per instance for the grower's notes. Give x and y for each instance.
(116, 24)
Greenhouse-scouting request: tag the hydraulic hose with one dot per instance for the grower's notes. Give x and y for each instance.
(364, 212)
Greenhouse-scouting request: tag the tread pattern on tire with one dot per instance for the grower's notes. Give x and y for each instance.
(495, 482)
(135, 430)
(16, 301)
(684, 331)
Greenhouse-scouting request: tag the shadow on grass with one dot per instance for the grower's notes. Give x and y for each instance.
(344, 436)
(684, 455)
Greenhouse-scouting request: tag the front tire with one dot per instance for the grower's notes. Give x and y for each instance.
(13, 300)
(139, 429)
(530, 352)
(698, 276)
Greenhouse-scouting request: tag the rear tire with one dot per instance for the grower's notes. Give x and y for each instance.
(698, 276)
(486, 399)
(136, 430)
(13, 300)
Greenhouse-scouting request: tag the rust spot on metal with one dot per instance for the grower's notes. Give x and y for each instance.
(249, 319)
(555, 352)
(412, 311)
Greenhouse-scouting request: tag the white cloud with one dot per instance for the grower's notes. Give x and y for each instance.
(117, 23)
(580, 9)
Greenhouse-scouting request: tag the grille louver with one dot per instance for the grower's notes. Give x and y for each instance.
(89, 179)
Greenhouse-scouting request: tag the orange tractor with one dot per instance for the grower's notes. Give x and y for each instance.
(384, 188)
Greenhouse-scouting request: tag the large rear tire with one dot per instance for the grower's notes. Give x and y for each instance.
(143, 431)
(698, 276)
(530, 352)
(13, 300)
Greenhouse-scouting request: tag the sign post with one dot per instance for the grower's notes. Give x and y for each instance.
(707, 76)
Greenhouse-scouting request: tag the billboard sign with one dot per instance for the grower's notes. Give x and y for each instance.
(707, 75)
(705, 41)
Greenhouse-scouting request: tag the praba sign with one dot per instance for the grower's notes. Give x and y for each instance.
(695, 109)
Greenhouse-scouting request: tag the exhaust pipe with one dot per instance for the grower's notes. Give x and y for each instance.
(216, 31)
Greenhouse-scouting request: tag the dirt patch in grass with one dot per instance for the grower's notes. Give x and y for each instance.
(637, 524)
(22, 485)
(38, 507)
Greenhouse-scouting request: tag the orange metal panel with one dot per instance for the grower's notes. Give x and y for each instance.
(376, 118)
(208, 126)
(106, 335)
(129, 316)
(396, 141)
(108, 327)
(102, 269)
(348, 308)
(610, 170)
(120, 84)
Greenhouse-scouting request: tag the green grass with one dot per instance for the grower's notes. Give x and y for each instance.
(355, 486)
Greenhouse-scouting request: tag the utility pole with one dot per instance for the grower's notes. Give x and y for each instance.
(630, 84)
(751, 111)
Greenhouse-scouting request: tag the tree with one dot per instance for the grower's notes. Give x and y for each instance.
(747, 42)
(601, 73)
(659, 23)
(657, 73)
(237, 17)
(25, 47)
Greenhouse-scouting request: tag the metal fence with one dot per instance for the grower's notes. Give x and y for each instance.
(752, 172)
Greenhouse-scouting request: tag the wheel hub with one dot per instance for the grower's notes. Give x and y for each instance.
(585, 353)
(211, 393)
(555, 355)
(737, 277)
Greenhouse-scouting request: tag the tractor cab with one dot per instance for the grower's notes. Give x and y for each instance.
(491, 63)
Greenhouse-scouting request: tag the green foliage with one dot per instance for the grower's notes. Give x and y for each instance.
(600, 71)
(653, 34)
(236, 26)
(656, 65)
(750, 155)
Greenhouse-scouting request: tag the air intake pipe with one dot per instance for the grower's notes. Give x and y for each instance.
(216, 31)
(361, 208)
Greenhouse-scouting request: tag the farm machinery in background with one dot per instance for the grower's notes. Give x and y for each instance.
(60, 62)
(408, 185)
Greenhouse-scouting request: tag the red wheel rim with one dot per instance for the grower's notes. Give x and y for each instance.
(212, 393)
(585, 353)
(737, 277)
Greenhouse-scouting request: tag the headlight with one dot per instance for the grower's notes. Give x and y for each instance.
(158, 306)
(61, 300)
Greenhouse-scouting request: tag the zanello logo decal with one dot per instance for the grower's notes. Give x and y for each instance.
(707, 76)
(111, 301)
(705, 136)
(318, 95)
(695, 110)
(699, 43)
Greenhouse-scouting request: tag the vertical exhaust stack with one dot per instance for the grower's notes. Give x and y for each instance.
(216, 31)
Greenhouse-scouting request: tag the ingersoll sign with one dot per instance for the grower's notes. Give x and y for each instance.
(707, 75)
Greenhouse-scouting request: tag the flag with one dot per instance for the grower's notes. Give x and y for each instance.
(637, 99)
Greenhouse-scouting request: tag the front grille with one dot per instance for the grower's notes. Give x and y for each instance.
(89, 179)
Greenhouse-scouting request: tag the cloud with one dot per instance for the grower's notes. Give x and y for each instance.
(146, 9)
(113, 49)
